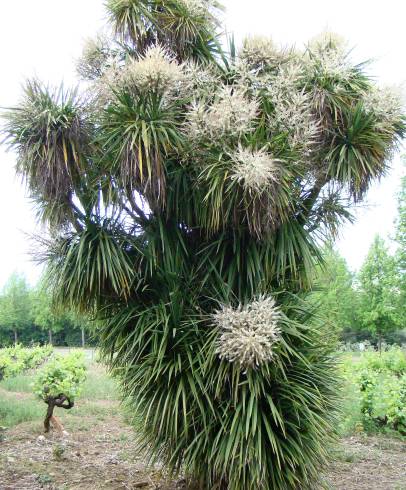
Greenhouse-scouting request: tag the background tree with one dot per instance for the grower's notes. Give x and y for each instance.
(336, 295)
(67, 326)
(401, 252)
(186, 205)
(45, 316)
(379, 291)
(82, 323)
(39, 321)
(15, 305)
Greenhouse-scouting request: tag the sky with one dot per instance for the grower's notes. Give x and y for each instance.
(43, 39)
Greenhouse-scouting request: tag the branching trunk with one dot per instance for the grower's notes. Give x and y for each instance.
(50, 412)
(311, 198)
(60, 401)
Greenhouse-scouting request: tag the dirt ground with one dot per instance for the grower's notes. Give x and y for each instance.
(369, 463)
(96, 455)
(102, 454)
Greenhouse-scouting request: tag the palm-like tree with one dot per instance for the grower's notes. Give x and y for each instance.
(188, 191)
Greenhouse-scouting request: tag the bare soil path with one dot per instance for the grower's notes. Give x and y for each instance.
(101, 453)
(98, 454)
(369, 463)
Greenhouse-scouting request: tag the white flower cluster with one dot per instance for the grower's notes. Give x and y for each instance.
(290, 76)
(293, 109)
(195, 8)
(294, 115)
(259, 51)
(249, 333)
(255, 170)
(102, 90)
(328, 56)
(232, 114)
(95, 58)
(330, 41)
(156, 70)
(198, 78)
(386, 103)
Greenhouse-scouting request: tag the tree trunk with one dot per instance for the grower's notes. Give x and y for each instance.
(380, 344)
(60, 401)
(50, 412)
(83, 337)
(15, 337)
(50, 336)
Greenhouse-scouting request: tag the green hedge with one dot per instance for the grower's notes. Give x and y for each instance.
(17, 359)
(381, 383)
(62, 375)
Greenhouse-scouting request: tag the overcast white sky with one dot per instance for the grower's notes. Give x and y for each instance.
(44, 37)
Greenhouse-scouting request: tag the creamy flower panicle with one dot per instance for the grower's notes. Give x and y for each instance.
(156, 70)
(231, 113)
(327, 55)
(387, 105)
(387, 102)
(200, 78)
(294, 115)
(260, 51)
(195, 8)
(95, 59)
(255, 170)
(328, 41)
(249, 333)
(102, 91)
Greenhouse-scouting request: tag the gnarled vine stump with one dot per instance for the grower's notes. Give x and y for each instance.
(60, 401)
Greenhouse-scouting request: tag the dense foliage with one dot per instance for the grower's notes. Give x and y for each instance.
(367, 305)
(381, 385)
(28, 315)
(187, 193)
(401, 251)
(15, 306)
(336, 295)
(62, 375)
(17, 359)
(379, 291)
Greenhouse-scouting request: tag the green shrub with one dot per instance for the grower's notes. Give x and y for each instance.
(392, 360)
(388, 401)
(381, 383)
(17, 359)
(62, 375)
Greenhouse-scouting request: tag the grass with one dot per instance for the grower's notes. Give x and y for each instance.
(14, 410)
(18, 404)
(20, 383)
(98, 385)
(345, 456)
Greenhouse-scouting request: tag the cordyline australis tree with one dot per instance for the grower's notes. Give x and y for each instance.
(187, 193)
